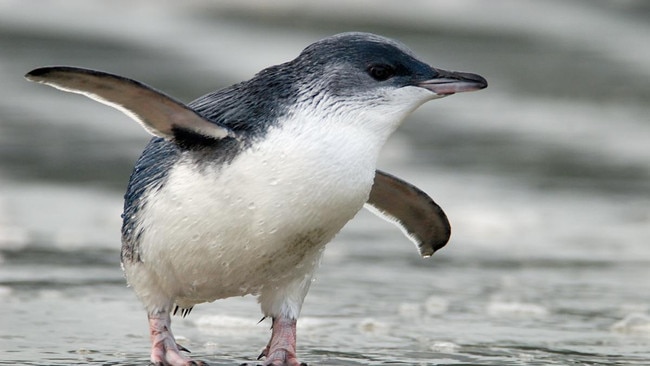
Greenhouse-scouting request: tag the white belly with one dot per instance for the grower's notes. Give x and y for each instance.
(231, 230)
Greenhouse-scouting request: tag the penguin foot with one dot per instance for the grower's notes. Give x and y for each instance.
(281, 350)
(281, 357)
(164, 349)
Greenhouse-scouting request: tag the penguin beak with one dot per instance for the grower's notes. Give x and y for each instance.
(451, 82)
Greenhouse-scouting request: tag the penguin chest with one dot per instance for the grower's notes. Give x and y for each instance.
(263, 218)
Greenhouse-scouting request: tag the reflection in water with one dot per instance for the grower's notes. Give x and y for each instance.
(544, 177)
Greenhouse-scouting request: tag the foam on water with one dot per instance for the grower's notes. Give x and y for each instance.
(515, 309)
(223, 324)
(61, 216)
(634, 324)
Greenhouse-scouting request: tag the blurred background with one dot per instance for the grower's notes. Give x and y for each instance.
(545, 177)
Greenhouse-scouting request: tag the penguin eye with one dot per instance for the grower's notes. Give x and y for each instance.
(381, 72)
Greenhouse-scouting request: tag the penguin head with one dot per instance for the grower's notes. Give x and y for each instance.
(363, 75)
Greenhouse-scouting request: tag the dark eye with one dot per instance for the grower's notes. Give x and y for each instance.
(381, 72)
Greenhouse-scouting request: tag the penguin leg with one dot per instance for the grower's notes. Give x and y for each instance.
(283, 302)
(281, 350)
(164, 350)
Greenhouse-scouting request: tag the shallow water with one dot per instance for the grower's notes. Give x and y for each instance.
(545, 177)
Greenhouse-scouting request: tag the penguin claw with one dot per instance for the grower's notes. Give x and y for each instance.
(181, 348)
(263, 354)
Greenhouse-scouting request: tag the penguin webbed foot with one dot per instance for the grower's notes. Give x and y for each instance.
(280, 357)
(281, 350)
(164, 349)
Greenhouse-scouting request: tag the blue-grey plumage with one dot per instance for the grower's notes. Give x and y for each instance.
(241, 189)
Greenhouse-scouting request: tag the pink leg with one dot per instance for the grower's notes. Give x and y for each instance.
(164, 350)
(281, 350)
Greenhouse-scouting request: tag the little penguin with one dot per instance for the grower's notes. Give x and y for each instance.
(239, 191)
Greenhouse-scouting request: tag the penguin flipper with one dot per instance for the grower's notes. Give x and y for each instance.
(419, 217)
(159, 114)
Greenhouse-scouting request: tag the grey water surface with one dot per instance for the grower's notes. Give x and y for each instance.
(545, 177)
